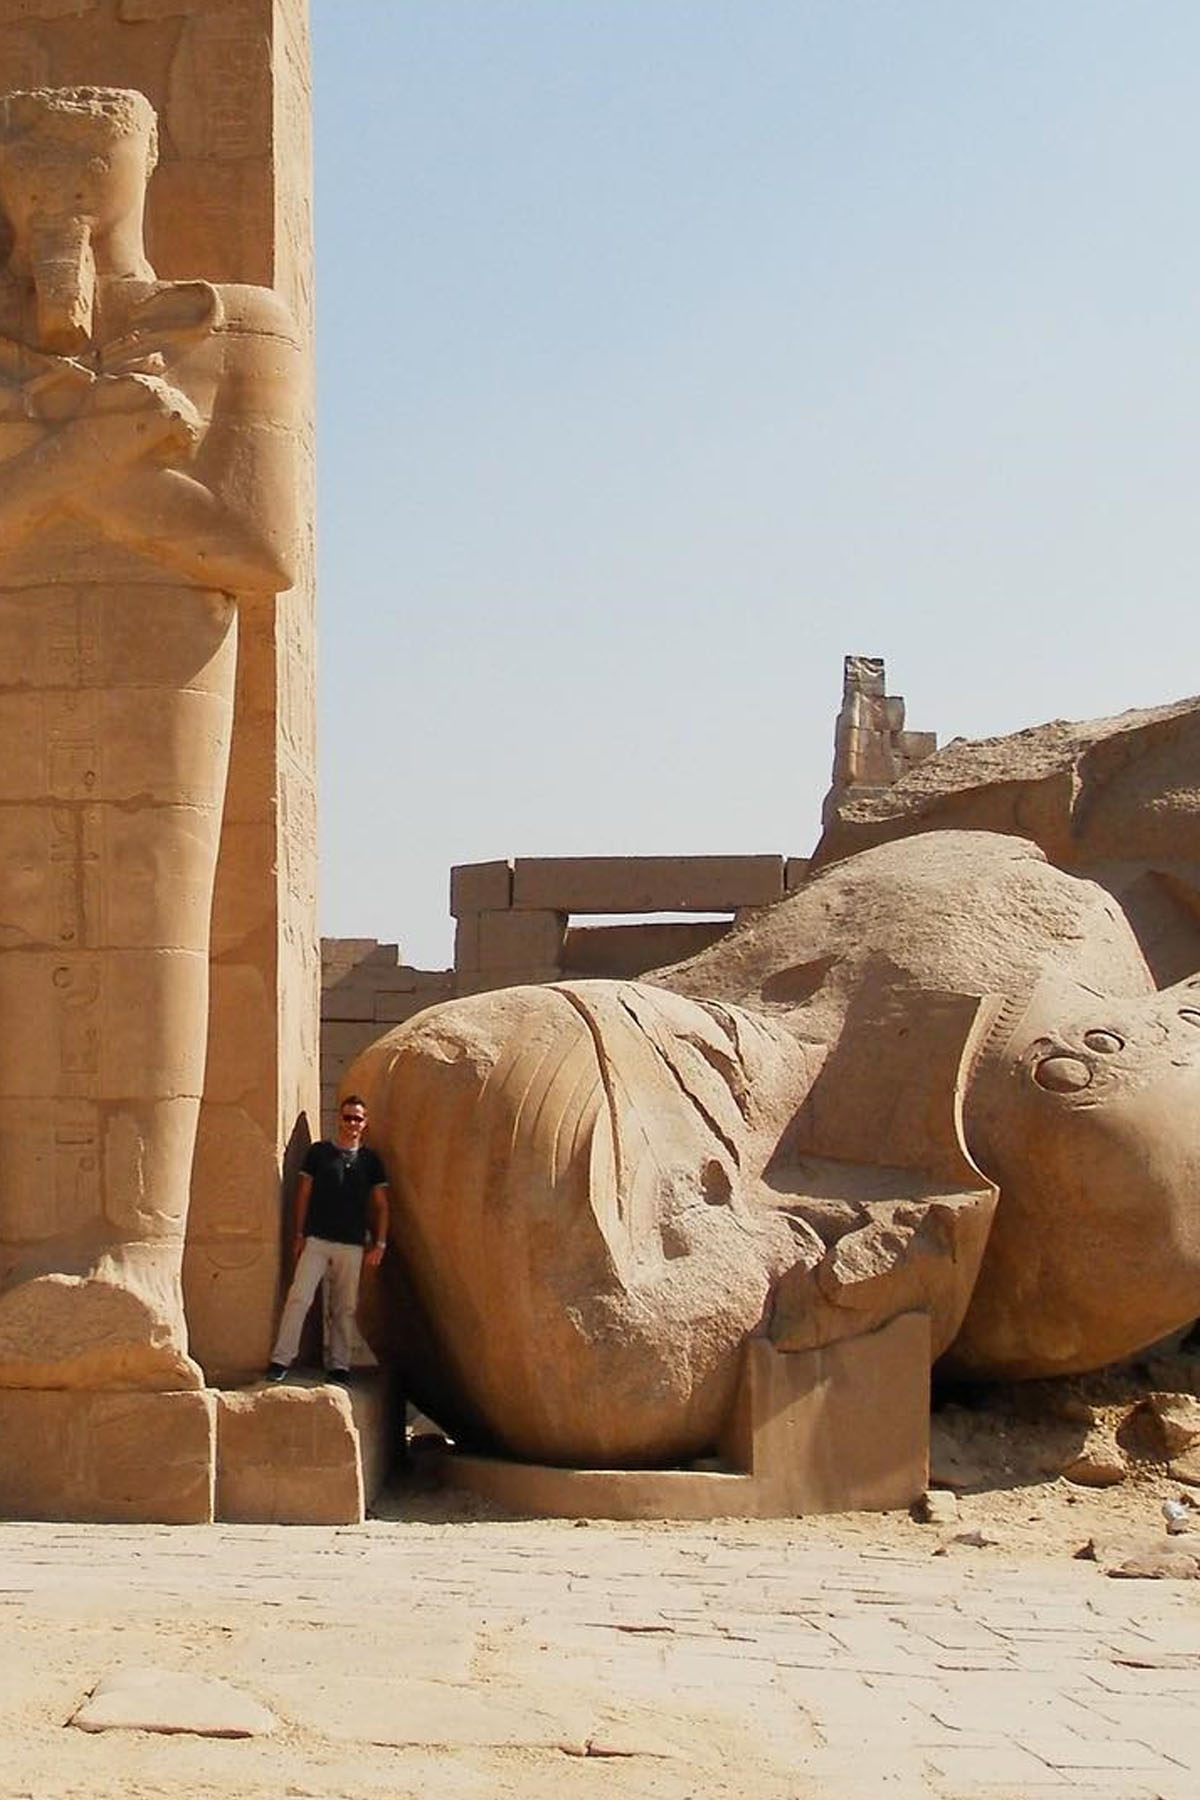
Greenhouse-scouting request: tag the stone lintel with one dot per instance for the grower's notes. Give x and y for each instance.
(646, 884)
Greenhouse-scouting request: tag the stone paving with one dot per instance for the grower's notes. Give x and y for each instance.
(664, 1663)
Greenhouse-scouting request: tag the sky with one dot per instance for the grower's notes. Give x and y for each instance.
(670, 350)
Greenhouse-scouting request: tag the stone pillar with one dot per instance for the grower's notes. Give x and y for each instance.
(231, 203)
(871, 747)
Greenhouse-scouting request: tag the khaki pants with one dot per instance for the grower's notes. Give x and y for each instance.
(342, 1263)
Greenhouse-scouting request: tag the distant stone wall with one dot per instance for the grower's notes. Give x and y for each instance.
(513, 919)
(513, 926)
(365, 990)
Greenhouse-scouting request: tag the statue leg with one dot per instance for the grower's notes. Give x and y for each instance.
(110, 811)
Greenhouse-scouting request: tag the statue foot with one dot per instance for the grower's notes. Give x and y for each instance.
(70, 1331)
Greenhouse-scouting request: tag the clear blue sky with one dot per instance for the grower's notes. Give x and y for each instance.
(670, 349)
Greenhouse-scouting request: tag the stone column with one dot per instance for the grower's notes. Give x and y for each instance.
(231, 203)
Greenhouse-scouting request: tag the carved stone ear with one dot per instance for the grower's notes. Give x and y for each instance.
(877, 1165)
(891, 1090)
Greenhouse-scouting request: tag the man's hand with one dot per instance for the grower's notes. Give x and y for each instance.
(374, 1256)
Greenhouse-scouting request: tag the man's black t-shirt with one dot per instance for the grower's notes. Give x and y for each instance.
(341, 1187)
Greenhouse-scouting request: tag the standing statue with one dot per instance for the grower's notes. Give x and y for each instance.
(145, 483)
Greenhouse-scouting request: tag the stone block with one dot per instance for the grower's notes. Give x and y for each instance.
(512, 940)
(843, 1428)
(241, 1052)
(399, 978)
(344, 1038)
(302, 1455)
(48, 9)
(109, 1458)
(394, 1009)
(354, 1001)
(641, 884)
(915, 746)
(795, 873)
(466, 942)
(486, 981)
(342, 954)
(431, 981)
(480, 887)
(617, 951)
(231, 1261)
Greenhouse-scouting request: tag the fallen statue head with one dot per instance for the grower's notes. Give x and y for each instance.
(938, 1078)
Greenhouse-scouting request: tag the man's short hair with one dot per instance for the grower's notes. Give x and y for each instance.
(352, 1100)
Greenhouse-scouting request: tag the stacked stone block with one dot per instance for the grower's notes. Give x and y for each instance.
(513, 919)
(872, 749)
(513, 926)
(365, 990)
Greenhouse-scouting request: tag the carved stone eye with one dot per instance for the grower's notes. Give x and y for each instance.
(1107, 1042)
(1190, 1017)
(1062, 1074)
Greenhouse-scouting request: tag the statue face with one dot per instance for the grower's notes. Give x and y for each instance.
(1089, 1120)
(44, 184)
(72, 184)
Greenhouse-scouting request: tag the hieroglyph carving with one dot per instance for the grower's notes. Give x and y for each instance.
(145, 482)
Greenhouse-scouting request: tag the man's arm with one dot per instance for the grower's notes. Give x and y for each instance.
(379, 1225)
(303, 1193)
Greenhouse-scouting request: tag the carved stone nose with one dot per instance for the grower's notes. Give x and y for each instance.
(64, 275)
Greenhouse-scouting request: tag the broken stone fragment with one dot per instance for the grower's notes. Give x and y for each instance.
(1177, 1417)
(1146, 1558)
(936, 1508)
(165, 1700)
(1099, 1462)
(1186, 1468)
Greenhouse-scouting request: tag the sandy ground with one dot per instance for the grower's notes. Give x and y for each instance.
(446, 1651)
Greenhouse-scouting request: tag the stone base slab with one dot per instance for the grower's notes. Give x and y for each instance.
(844, 1428)
(292, 1455)
(107, 1458)
(540, 1491)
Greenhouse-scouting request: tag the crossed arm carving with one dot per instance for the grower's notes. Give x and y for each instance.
(105, 433)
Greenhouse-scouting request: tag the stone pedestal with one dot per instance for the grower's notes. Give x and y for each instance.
(114, 1459)
(295, 1455)
(300, 1455)
(844, 1428)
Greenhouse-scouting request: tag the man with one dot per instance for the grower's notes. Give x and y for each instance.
(341, 1205)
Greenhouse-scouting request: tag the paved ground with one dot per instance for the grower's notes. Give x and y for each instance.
(469, 1660)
